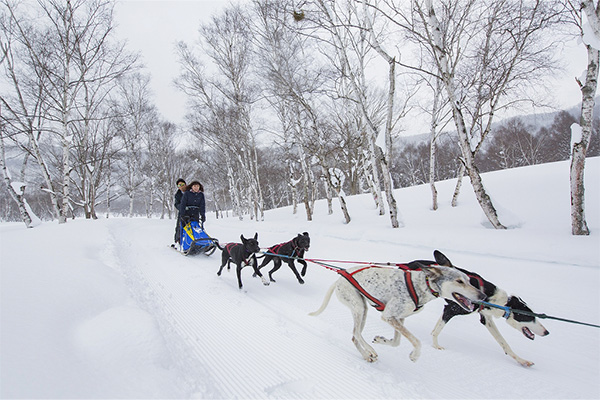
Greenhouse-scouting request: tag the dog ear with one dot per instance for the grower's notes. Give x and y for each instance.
(441, 259)
(256, 236)
(243, 238)
(432, 272)
(305, 233)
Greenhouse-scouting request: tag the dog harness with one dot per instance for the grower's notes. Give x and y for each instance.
(229, 246)
(379, 305)
(297, 249)
(409, 284)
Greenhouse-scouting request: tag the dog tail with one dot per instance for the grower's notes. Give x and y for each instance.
(216, 242)
(325, 301)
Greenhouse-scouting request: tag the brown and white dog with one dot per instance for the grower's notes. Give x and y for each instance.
(398, 293)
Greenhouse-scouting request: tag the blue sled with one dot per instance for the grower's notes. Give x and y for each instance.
(195, 240)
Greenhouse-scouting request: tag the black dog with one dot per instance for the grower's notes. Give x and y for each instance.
(239, 253)
(288, 251)
(527, 324)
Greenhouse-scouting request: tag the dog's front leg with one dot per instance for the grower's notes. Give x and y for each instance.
(305, 265)
(436, 332)
(257, 271)
(295, 271)
(389, 315)
(398, 325)
(394, 342)
(489, 323)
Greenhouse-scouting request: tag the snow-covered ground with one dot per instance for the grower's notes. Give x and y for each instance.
(105, 309)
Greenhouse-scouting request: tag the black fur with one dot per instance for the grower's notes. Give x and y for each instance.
(239, 253)
(294, 248)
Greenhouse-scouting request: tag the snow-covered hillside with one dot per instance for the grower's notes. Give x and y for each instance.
(105, 309)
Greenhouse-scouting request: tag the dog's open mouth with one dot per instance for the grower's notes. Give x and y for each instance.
(463, 301)
(528, 334)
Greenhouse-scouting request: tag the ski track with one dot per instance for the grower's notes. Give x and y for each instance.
(237, 357)
(181, 292)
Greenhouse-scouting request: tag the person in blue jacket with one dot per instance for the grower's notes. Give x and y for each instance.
(192, 203)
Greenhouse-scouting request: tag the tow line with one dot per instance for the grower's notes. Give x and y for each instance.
(508, 310)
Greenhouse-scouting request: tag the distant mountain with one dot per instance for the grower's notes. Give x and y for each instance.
(536, 121)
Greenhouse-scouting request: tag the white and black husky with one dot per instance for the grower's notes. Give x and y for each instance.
(398, 293)
(527, 324)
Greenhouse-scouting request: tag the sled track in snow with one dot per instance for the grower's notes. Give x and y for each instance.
(236, 355)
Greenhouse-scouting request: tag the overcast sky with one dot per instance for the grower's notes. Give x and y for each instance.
(152, 27)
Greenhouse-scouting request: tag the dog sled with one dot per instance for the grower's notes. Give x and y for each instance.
(193, 239)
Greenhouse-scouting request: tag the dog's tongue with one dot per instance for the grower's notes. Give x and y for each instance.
(463, 301)
(528, 334)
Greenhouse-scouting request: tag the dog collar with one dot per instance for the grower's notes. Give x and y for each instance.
(433, 292)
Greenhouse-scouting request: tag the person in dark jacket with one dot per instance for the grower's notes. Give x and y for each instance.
(192, 203)
(181, 186)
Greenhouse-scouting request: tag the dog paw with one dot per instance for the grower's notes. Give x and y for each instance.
(525, 363)
(371, 357)
(414, 355)
(380, 340)
(437, 346)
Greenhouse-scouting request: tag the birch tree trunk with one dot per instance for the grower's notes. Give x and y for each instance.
(451, 89)
(370, 177)
(362, 100)
(579, 147)
(17, 197)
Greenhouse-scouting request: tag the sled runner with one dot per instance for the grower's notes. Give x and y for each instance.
(195, 240)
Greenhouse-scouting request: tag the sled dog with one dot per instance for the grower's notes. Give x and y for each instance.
(398, 293)
(288, 252)
(528, 325)
(241, 254)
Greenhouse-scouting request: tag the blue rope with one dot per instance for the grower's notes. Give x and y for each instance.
(508, 310)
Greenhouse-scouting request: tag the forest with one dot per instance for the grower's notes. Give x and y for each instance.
(288, 102)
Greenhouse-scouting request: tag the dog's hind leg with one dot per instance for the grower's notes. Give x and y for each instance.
(224, 260)
(352, 298)
(264, 262)
(276, 266)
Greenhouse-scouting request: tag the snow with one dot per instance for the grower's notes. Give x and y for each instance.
(589, 36)
(105, 309)
(576, 135)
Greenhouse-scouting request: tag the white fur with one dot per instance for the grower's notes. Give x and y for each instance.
(388, 285)
(499, 297)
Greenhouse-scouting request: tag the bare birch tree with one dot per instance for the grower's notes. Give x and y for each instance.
(337, 25)
(223, 102)
(135, 116)
(580, 137)
(502, 53)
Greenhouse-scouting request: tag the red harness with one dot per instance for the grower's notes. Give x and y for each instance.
(228, 247)
(297, 250)
(379, 305)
